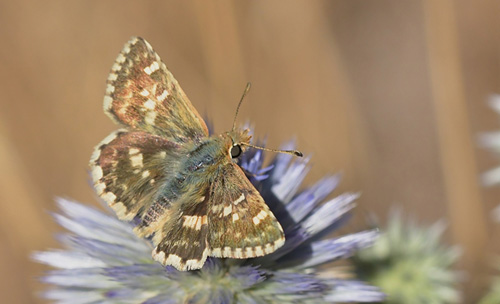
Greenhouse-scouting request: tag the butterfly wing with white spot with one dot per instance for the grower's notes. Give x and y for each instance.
(183, 240)
(127, 169)
(142, 93)
(240, 223)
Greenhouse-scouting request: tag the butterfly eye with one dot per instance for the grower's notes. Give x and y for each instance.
(235, 151)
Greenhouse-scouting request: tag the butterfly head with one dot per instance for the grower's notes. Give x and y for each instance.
(236, 142)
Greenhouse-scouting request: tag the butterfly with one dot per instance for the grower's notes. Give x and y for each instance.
(162, 171)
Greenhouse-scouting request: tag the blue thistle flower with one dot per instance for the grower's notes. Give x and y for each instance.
(105, 262)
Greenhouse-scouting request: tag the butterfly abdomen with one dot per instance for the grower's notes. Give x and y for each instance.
(185, 187)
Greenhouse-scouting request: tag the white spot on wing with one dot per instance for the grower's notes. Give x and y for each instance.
(136, 160)
(159, 256)
(150, 104)
(150, 117)
(259, 251)
(194, 221)
(216, 208)
(126, 48)
(163, 96)
(116, 67)
(95, 155)
(259, 217)
(152, 68)
(108, 102)
(238, 253)
(112, 77)
(228, 210)
(239, 199)
(133, 151)
(110, 89)
(174, 260)
(235, 217)
(99, 188)
(279, 243)
(227, 252)
(268, 248)
(216, 252)
(194, 264)
(97, 173)
(249, 252)
(109, 197)
(144, 93)
(155, 66)
(120, 58)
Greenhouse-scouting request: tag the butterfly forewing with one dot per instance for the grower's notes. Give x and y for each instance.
(240, 223)
(127, 168)
(142, 93)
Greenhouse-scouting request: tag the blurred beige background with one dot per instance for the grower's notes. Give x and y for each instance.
(390, 93)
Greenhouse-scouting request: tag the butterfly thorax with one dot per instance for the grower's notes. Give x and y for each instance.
(213, 152)
(203, 160)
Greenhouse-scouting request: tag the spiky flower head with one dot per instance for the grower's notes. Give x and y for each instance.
(491, 140)
(104, 262)
(410, 263)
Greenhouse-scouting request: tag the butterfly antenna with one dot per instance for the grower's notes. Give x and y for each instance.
(247, 88)
(291, 152)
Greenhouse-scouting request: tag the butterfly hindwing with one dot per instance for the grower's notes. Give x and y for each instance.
(127, 168)
(184, 238)
(240, 223)
(142, 94)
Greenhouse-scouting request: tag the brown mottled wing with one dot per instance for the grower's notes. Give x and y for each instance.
(240, 223)
(142, 93)
(183, 241)
(127, 167)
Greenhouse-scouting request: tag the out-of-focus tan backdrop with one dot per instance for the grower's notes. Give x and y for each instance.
(390, 93)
